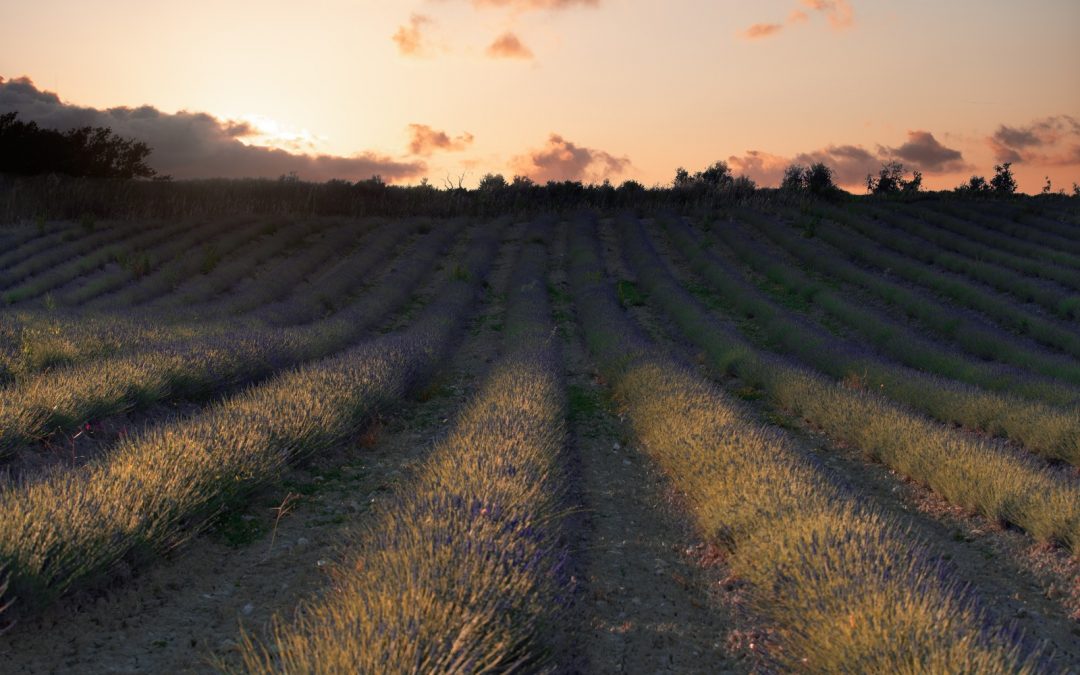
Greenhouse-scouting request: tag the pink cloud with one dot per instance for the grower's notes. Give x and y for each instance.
(508, 46)
(410, 38)
(561, 160)
(761, 30)
(424, 140)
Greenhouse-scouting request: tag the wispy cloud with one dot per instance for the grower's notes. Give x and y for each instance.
(197, 145)
(410, 37)
(561, 160)
(508, 46)
(1051, 140)
(425, 141)
(536, 4)
(839, 14)
(761, 30)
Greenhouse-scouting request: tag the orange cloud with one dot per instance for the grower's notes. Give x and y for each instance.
(839, 12)
(425, 140)
(508, 46)
(563, 160)
(760, 30)
(410, 38)
(764, 168)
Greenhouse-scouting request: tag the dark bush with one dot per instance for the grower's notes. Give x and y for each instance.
(890, 181)
(95, 152)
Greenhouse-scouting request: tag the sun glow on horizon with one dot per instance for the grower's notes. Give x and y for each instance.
(267, 132)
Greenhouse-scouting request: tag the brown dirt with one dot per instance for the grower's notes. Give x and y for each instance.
(178, 614)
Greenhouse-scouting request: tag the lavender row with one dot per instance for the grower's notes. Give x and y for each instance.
(817, 556)
(166, 483)
(196, 368)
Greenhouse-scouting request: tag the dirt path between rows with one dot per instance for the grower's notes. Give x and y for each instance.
(644, 604)
(173, 616)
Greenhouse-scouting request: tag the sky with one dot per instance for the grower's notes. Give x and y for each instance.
(449, 90)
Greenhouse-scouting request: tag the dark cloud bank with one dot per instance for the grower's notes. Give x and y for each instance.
(197, 145)
(1051, 140)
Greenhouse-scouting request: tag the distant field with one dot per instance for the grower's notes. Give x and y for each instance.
(828, 438)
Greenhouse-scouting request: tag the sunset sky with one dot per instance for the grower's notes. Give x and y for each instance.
(560, 89)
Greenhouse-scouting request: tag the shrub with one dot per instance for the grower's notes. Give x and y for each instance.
(27, 150)
(1003, 183)
(491, 182)
(890, 180)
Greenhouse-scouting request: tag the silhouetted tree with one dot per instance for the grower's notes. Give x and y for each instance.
(794, 178)
(976, 185)
(716, 178)
(818, 180)
(890, 180)
(26, 150)
(1003, 183)
(718, 175)
(492, 182)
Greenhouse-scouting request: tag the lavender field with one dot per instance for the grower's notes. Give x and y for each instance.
(835, 437)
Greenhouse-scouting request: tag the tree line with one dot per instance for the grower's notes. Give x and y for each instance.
(27, 149)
